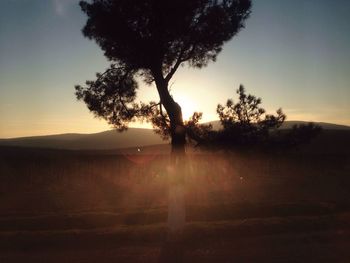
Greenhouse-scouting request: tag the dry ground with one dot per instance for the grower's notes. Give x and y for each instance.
(63, 206)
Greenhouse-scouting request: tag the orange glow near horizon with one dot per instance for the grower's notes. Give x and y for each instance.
(306, 74)
(187, 105)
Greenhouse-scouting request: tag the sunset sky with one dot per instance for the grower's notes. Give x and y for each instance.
(292, 54)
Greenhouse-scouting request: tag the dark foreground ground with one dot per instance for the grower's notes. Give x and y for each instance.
(273, 239)
(68, 206)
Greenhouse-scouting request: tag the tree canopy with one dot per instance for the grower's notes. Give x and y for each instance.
(147, 34)
(245, 124)
(151, 39)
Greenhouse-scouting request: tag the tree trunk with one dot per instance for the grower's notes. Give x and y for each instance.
(176, 201)
(176, 169)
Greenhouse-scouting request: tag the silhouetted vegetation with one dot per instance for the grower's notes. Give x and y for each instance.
(301, 133)
(151, 39)
(245, 124)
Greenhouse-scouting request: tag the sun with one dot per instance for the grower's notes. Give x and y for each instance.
(187, 105)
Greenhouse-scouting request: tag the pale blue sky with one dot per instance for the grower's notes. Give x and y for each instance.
(293, 54)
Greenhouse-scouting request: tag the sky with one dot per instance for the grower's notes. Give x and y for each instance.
(293, 54)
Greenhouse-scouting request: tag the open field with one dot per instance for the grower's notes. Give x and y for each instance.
(101, 206)
(180, 131)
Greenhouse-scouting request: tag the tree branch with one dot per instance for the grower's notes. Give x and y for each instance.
(179, 61)
(176, 66)
(190, 53)
(123, 104)
(162, 114)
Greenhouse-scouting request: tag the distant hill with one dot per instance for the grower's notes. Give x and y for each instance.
(324, 125)
(289, 125)
(136, 138)
(133, 137)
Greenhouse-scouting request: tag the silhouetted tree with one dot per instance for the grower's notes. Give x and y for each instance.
(298, 134)
(151, 39)
(245, 124)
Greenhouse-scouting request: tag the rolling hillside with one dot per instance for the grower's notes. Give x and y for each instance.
(334, 137)
(112, 139)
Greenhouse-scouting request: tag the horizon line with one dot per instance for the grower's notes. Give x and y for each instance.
(147, 128)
